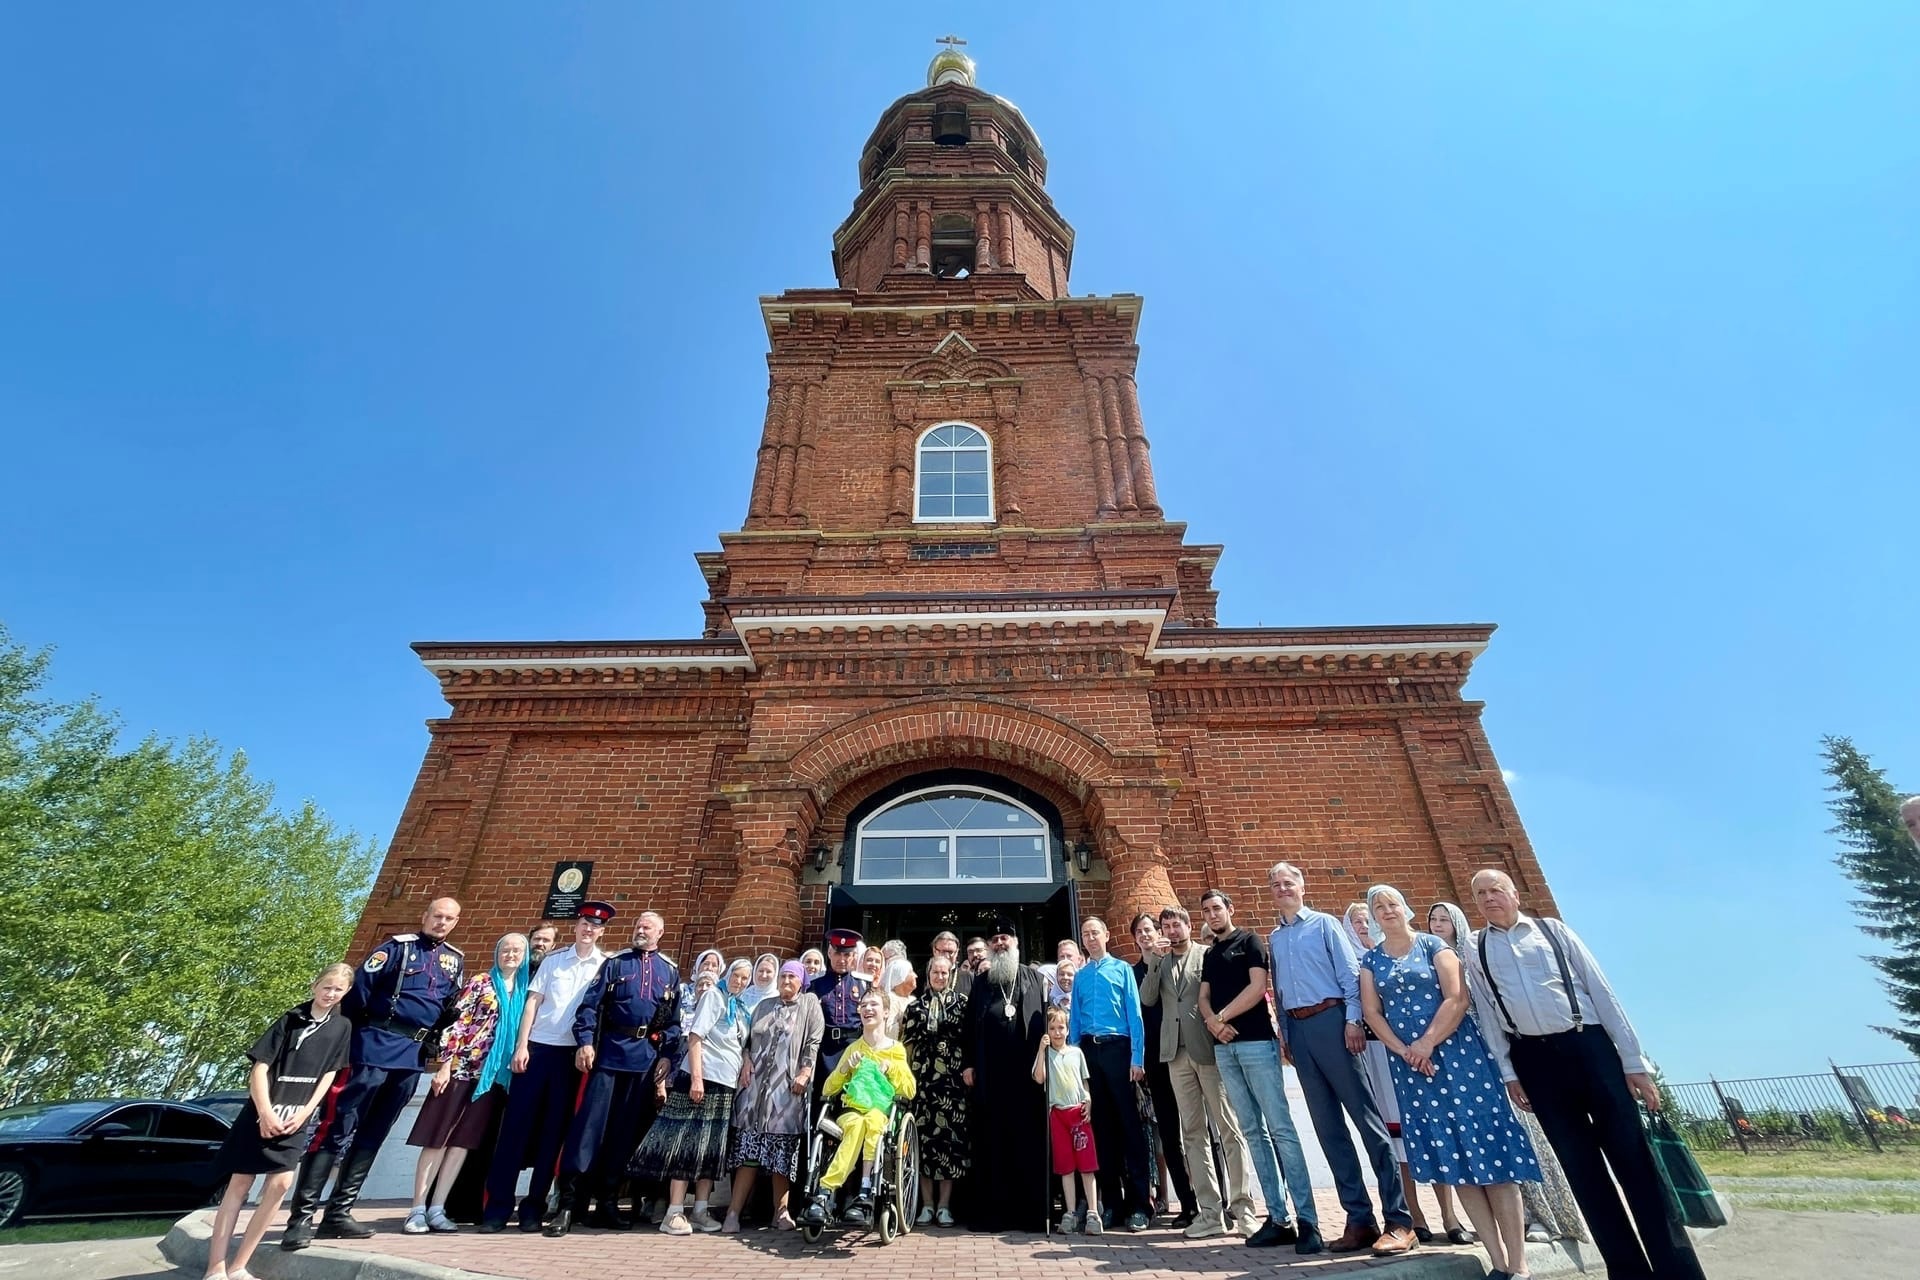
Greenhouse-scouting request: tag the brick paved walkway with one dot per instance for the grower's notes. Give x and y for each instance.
(927, 1254)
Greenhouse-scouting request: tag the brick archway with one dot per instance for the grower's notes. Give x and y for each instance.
(953, 731)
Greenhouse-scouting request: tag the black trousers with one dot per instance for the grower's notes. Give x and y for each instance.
(367, 1107)
(615, 1113)
(1579, 1095)
(1166, 1118)
(1118, 1138)
(539, 1105)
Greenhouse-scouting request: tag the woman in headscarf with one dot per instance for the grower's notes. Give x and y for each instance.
(813, 962)
(471, 1083)
(1550, 1208)
(935, 1028)
(1455, 1118)
(707, 967)
(688, 1143)
(766, 980)
(897, 983)
(770, 1109)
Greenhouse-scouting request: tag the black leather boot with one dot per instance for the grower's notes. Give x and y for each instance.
(338, 1221)
(307, 1190)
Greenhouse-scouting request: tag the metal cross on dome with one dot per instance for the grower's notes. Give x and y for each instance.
(952, 42)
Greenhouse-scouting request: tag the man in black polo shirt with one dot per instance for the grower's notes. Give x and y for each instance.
(1233, 1005)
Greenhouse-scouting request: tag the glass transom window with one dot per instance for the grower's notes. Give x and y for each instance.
(949, 834)
(953, 480)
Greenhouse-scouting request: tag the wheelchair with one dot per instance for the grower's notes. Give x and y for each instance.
(896, 1175)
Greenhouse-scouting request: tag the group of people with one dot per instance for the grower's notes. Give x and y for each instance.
(615, 1075)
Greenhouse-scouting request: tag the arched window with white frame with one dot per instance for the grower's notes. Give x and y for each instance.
(949, 834)
(953, 475)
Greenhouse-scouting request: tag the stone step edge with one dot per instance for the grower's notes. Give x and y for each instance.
(186, 1243)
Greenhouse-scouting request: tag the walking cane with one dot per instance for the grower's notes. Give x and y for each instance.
(1046, 1142)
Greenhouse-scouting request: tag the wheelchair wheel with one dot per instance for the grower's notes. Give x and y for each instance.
(886, 1222)
(810, 1233)
(906, 1174)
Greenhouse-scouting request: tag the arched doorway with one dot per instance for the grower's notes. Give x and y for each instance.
(950, 850)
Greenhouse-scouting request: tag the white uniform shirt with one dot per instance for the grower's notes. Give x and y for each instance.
(560, 982)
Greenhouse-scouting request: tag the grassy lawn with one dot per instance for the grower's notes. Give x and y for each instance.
(1812, 1163)
(1891, 1202)
(100, 1229)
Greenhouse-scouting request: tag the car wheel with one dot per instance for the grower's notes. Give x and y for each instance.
(14, 1185)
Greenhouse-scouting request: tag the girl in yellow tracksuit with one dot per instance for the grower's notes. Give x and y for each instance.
(860, 1130)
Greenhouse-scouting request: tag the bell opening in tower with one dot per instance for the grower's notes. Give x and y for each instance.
(954, 246)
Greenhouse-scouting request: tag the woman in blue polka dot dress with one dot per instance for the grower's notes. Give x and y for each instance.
(1455, 1120)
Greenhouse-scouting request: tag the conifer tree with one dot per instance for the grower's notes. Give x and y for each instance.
(1885, 863)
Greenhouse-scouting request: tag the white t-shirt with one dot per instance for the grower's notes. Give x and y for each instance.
(720, 1044)
(1066, 1077)
(560, 982)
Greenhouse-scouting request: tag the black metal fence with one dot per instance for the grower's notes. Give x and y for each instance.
(1872, 1107)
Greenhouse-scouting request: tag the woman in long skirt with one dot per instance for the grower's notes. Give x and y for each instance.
(470, 1084)
(935, 1029)
(1455, 1120)
(688, 1143)
(770, 1108)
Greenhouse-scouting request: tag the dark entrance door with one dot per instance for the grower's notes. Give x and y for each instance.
(950, 851)
(1042, 924)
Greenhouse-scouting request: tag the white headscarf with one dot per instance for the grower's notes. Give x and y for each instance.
(756, 992)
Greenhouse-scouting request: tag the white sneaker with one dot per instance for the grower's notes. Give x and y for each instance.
(416, 1223)
(943, 1216)
(703, 1220)
(437, 1220)
(676, 1224)
(926, 1216)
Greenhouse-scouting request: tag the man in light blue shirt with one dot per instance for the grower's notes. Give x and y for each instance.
(1316, 977)
(1104, 1021)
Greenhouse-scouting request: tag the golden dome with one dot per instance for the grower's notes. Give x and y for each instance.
(950, 66)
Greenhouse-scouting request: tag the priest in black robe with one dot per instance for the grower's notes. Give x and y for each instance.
(1006, 1023)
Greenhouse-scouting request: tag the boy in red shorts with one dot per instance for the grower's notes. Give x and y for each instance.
(1063, 1069)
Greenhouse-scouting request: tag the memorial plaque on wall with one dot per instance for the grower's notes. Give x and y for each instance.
(568, 890)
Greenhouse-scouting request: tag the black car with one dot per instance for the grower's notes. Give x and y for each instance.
(225, 1105)
(113, 1156)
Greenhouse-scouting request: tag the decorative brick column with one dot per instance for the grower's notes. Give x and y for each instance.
(763, 911)
(1133, 817)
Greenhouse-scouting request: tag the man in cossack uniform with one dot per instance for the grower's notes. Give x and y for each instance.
(628, 1030)
(402, 998)
(839, 990)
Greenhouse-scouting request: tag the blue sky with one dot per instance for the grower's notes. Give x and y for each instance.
(331, 328)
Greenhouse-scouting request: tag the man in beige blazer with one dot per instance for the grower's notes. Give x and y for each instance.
(1186, 1046)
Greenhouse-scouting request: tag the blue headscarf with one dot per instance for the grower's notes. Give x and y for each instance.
(738, 1006)
(497, 1069)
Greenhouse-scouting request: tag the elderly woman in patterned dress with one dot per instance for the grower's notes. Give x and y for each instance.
(1455, 1120)
(770, 1109)
(934, 1027)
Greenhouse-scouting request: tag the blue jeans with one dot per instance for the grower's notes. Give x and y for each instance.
(1257, 1092)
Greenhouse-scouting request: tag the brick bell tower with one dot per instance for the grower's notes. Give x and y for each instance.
(956, 659)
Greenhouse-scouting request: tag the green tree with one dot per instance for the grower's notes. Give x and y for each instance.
(1883, 862)
(156, 909)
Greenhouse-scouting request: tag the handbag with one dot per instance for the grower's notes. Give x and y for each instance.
(1690, 1198)
(868, 1088)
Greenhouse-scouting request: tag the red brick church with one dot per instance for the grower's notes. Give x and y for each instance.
(956, 660)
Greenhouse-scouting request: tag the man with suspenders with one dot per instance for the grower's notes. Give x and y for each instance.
(1569, 1055)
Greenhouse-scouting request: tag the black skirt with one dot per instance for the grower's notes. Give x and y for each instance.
(245, 1151)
